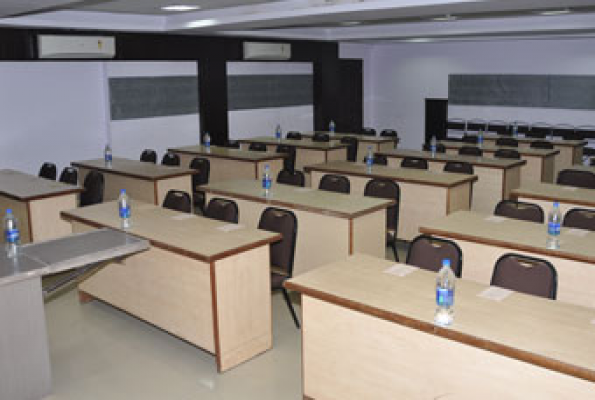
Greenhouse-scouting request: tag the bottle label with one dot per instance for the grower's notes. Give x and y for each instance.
(108, 157)
(266, 183)
(445, 297)
(12, 235)
(553, 228)
(125, 212)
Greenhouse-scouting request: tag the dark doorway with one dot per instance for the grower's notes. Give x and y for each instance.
(436, 118)
(350, 101)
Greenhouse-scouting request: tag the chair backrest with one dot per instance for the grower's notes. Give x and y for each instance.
(536, 134)
(377, 159)
(427, 252)
(48, 171)
(284, 222)
(223, 210)
(321, 137)
(171, 159)
(469, 139)
(203, 168)
(526, 275)
(440, 148)
(460, 167)
(368, 132)
(70, 176)
(580, 218)
(254, 146)
(93, 185)
(498, 126)
(389, 133)
(352, 144)
(178, 200)
(470, 151)
(577, 178)
(476, 124)
(293, 135)
(149, 155)
(386, 189)
(540, 128)
(414, 162)
(563, 130)
(289, 161)
(507, 153)
(232, 144)
(519, 210)
(507, 141)
(335, 183)
(542, 144)
(294, 178)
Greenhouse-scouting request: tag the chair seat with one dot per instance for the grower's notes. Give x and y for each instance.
(277, 280)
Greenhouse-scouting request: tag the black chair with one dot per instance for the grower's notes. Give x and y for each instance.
(440, 148)
(470, 151)
(387, 189)
(526, 275)
(565, 131)
(93, 189)
(48, 171)
(199, 178)
(294, 178)
(293, 135)
(389, 133)
(540, 130)
(69, 176)
(498, 126)
(149, 155)
(476, 125)
(580, 218)
(577, 178)
(472, 139)
(377, 159)
(171, 159)
(519, 210)
(427, 252)
(289, 161)
(321, 137)
(459, 167)
(352, 144)
(536, 134)
(335, 183)
(522, 127)
(232, 144)
(508, 154)
(281, 252)
(177, 200)
(414, 163)
(507, 141)
(368, 132)
(254, 146)
(542, 144)
(223, 210)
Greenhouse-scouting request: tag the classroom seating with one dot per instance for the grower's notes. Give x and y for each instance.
(519, 210)
(69, 176)
(577, 178)
(352, 144)
(293, 135)
(387, 189)
(149, 155)
(389, 133)
(427, 252)
(470, 151)
(507, 141)
(178, 200)
(460, 167)
(542, 144)
(222, 210)
(377, 159)
(170, 159)
(321, 137)
(335, 183)
(507, 153)
(526, 274)
(93, 185)
(472, 139)
(368, 132)
(48, 171)
(255, 146)
(440, 148)
(414, 162)
(201, 177)
(498, 126)
(289, 161)
(294, 178)
(580, 218)
(232, 144)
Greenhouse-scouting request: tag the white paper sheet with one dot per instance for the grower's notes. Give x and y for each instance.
(182, 217)
(400, 270)
(230, 227)
(495, 293)
(495, 218)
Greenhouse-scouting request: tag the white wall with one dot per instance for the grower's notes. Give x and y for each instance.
(363, 52)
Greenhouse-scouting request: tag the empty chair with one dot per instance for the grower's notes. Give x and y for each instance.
(507, 153)
(476, 125)
(199, 178)
(460, 167)
(469, 139)
(294, 178)
(387, 189)
(519, 210)
(321, 137)
(470, 151)
(377, 159)
(289, 161)
(389, 133)
(254, 146)
(522, 127)
(223, 210)
(577, 178)
(352, 144)
(149, 155)
(440, 148)
(368, 132)
(498, 126)
(177, 200)
(427, 252)
(293, 135)
(70, 176)
(564, 130)
(580, 218)
(526, 275)
(232, 144)
(334, 183)
(171, 159)
(281, 252)
(93, 189)
(539, 130)
(542, 144)
(48, 171)
(507, 141)
(536, 134)
(414, 162)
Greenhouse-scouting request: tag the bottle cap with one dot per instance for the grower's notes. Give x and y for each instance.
(446, 262)
(122, 191)
(8, 211)
(556, 204)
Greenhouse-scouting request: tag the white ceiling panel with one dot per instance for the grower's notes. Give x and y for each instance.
(9, 8)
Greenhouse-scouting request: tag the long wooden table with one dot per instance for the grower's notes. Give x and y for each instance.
(230, 164)
(544, 194)
(540, 165)
(368, 334)
(484, 238)
(143, 181)
(36, 202)
(497, 177)
(330, 225)
(200, 281)
(377, 143)
(307, 151)
(425, 195)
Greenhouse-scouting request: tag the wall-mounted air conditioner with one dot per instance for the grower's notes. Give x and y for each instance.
(60, 46)
(267, 51)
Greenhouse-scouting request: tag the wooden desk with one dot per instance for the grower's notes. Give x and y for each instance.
(378, 143)
(143, 181)
(425, 195)
(367, 334)
(230, 164)
(540, 163)
(36, 202)
(484, 238)
(307, 151)
(496, 176)
(544, 194)
(197, 282)
(330, 225)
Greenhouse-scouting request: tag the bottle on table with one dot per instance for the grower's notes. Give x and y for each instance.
(124, 210)
(515, 130)
(480, 138)
(332, 127)
(207, 141)
(554, 220)
(278, 133)
(107, 155)
(369, 159)
(266, 181)
(433, 146)
(445, 295)
(12, 236)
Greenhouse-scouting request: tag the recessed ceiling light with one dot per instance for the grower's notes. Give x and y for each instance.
(180, 8)
(350, 23)
(202, 23)
(556, 12)
(445, 18)
(418, 40)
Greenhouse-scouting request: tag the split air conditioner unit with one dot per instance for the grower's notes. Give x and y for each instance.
(267, 51)
(61, 46)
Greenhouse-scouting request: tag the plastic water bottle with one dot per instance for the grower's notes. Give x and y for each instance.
(266, 181)
(554, 220)
(12, 236)
(278, 133)
(369, 159)
(433, 146)
(124, 210)
(515, 130)
(480, 138)
(208, 141)
(107, 155)
(332, 127)
(445, 295)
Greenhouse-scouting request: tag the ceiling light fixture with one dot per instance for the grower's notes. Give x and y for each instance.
(350, 23)
(180, 8)
(556, 12)
(445, 18)
(418, 40)
(202, 23)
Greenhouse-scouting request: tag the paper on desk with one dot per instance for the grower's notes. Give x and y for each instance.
(577, 232)
(571, 188)
(400, 270)
(303, 189)
(495, 218)
(593, 322)
(495, 293)
(144, 206)
(182, 217)
(230, 227)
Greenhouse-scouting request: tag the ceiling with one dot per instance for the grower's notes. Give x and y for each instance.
(344, 20)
